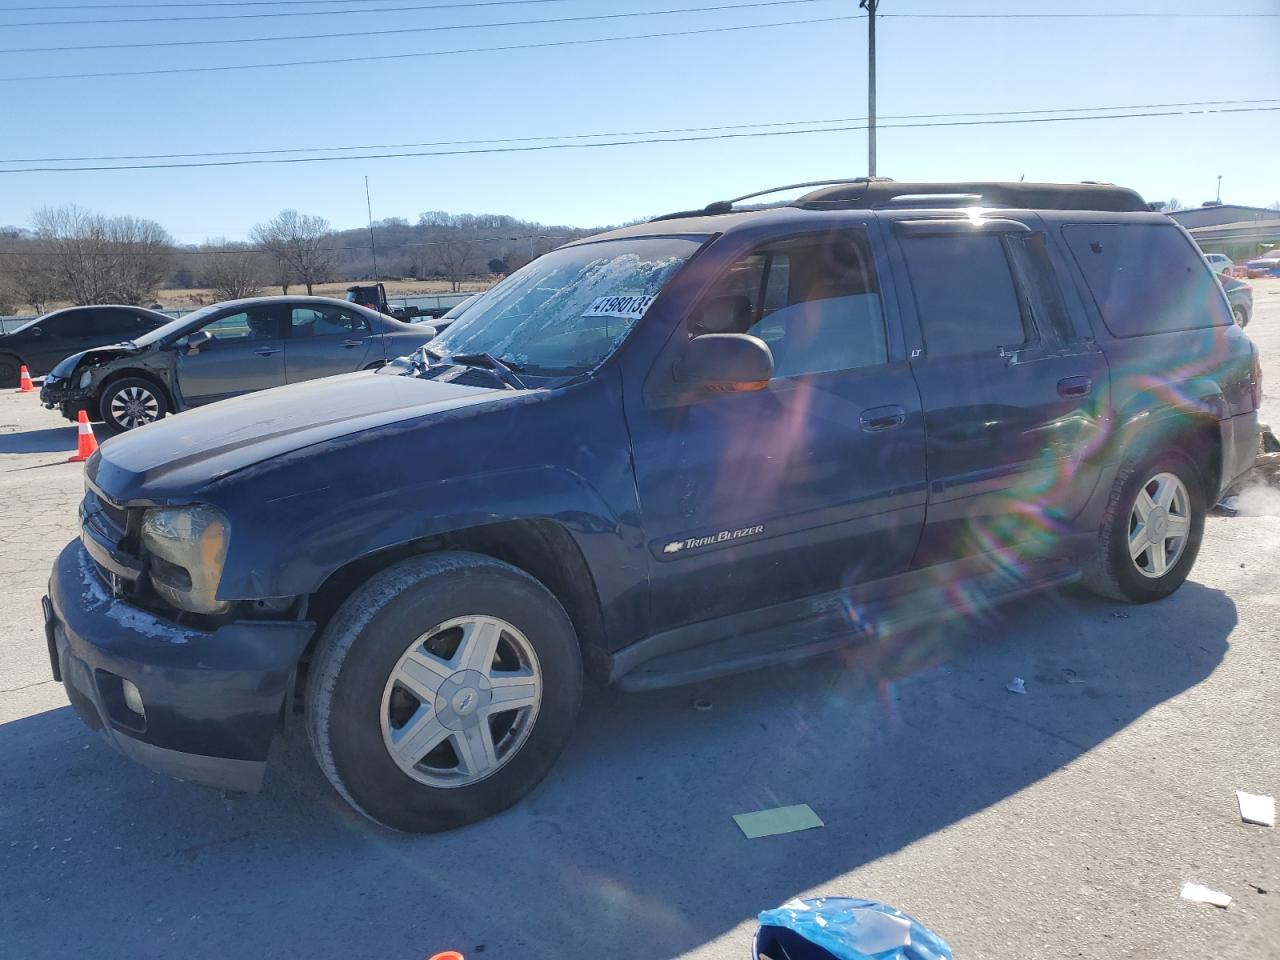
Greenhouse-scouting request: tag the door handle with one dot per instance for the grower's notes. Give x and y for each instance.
(882, 418)
(267, 351)
(352, 343)
(1074, 387)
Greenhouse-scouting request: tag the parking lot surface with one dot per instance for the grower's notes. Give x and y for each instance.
(1059, 823)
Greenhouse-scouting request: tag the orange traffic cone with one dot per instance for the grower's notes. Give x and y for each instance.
(24, 380)
(86, 443)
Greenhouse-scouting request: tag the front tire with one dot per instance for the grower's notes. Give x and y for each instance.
(442, 691)
(1151, 534)
(1241, 316)
(131, 403)
(9, 365)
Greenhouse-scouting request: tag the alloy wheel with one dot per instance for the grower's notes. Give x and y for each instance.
(1159, 525)
(461, 701)
(134, 406)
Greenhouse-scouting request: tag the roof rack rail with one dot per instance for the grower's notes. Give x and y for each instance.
(866, 195)
(726, 206)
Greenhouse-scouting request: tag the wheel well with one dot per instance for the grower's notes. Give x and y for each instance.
(136, 374)
(541, 548)
(1199, 438)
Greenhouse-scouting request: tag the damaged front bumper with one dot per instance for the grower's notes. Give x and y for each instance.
(69, 401)
(210, 700)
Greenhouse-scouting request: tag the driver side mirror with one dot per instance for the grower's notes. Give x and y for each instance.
(197, 340)
(725, 363)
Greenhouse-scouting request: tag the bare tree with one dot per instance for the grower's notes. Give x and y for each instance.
(301, 244)
(90, 258)
(1172, 205)
(234, 271)
(140, 254)
(456, 256)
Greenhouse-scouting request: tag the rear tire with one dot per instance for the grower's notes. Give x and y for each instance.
(1139, 560)
(385, 678)
(132, 402)
(9, 365)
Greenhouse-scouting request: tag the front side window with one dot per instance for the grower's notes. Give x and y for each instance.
(77, 323)
(965, 294)
(814, 300)
(258, 323)
(565, 312)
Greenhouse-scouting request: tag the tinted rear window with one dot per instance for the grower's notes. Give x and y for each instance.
(1146, 278)
(964, 293)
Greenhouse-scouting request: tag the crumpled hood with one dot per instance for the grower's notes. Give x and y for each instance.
(67, 366)
(179, 454)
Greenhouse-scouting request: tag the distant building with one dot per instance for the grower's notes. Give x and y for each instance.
(1238, 231)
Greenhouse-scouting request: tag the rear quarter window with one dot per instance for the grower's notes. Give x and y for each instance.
(1146, 278)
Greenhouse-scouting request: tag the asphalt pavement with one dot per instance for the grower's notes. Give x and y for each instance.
(1059, 823)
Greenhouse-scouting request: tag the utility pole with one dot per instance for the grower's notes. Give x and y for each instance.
(870, 7)
(1219, 188)
(368, 209)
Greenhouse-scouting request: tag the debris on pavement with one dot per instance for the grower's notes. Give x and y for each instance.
(703, 705)
(1016, 685)
(1197, 893)
(768, 823)
(842, 928)
(1257, 808)
(1070, 676)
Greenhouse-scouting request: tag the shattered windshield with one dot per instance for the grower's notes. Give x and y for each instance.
(566, 312)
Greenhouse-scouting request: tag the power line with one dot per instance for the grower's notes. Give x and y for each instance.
(205, 3)
(1109, 15)
(638, 133)
(475, 4)
(330, 61)
(628, 143)
(436, 28)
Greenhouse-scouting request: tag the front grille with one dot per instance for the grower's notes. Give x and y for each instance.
(118, 516)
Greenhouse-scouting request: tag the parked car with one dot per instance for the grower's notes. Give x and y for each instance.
(1219, 263)
(1240, 297)
(704, 444)
(1267, 265)
(443, 322)
(224, 350)
(42, 342)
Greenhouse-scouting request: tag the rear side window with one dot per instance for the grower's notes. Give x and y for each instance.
(327, 322)
(964, 294)
(1146, 278)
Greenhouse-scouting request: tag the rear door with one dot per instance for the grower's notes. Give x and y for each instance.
(1015, 392)
(325, 340)
(245, 354)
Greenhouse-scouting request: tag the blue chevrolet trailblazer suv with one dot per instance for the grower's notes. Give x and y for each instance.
(715, 441)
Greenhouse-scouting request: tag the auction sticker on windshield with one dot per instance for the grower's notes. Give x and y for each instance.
(628, 308)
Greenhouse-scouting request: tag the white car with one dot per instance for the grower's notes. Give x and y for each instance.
(1219, 263)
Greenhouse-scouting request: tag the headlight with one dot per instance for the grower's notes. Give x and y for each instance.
(85, 379)
(186, 547)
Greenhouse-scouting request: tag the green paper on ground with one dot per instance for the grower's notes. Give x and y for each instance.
(767, 823)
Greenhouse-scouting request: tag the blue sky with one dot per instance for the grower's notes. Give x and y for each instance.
(799, 72)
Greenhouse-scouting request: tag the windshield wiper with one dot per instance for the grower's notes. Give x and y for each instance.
(505, 370)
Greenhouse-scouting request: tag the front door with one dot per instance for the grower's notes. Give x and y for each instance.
(324, 341)
(811, 484)
(67, 332)
(245, 354)
(1015, 394)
